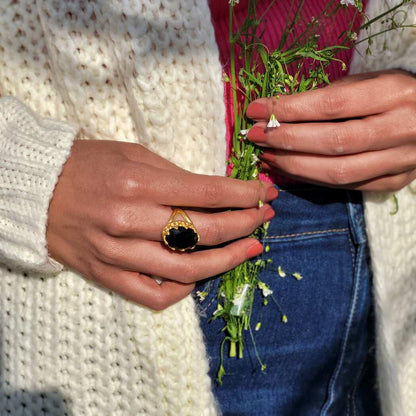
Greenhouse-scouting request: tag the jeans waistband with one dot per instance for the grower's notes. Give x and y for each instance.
(309, 210)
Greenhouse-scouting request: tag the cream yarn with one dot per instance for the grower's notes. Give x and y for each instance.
(139, 71)
(393, 239)
(145, 72)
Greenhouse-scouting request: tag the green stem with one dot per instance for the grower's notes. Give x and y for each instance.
(233, 349)
(233, 78)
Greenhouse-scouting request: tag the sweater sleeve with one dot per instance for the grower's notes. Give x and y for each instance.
(32, 153)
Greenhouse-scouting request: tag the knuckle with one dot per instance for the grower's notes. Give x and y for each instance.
(127, 182)
(286, 137)
(232, 259)
(107, 250)
(339, 141)
(210, 192)
(408, 90)
(253, 192)
(214, 232)
(118, 220)
(93, 271)
(340, 174)
(250, 220)
(332, 105)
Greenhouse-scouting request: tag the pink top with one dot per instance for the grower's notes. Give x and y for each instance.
(275, 24)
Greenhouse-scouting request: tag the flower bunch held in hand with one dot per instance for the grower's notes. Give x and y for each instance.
(299, 63)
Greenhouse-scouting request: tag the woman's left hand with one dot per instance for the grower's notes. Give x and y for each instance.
(358, 133)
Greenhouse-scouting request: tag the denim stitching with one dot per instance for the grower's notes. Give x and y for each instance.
(335, 230)
(346, 337)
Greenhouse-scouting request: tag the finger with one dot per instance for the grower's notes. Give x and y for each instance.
(343, 170)
(139, 154)
(367, 75)
(192, 190)
(388, 183)
(340, 138)
(213, 228)
(142, 289)
(338, 101)
(152, 258)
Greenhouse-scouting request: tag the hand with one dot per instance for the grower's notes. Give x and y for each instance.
(359, 133)
(111, 203)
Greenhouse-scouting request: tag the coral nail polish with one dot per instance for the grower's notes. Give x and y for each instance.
(257, 110)
(271, 193)
(257, 134)
(255, 250)
(269, 214)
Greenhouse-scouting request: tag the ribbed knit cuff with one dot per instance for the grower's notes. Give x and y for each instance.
(32, 153)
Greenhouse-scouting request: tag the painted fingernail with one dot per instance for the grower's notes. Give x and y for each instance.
(257, 110)
(257, 134)
(271, 193)
(268, 156)
(269, 214)
(255, 250)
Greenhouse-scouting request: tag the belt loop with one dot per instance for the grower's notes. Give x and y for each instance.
(356, 219)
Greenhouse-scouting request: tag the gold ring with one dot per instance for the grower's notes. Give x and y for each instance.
(179, 233)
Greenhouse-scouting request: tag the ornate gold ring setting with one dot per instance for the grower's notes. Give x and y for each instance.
(179, 233)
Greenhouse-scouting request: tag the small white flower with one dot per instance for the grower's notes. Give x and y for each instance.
(281, 272)
(297, 276)
(243, 132)
(254, 159)
(233, 2)
(273, 122)
(265, 290)
(201, 295)
(347, 2)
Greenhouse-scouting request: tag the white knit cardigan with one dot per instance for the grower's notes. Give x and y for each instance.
(146, 72)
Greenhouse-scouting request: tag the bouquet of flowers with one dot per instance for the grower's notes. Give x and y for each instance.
(299, 63)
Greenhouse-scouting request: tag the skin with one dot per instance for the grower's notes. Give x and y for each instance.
(358, 133)
(111, 203)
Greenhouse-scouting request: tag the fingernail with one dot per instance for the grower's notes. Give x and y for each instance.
(271, 193)
(269, 214)
(257, 134)
(257, 110)
(255, 250)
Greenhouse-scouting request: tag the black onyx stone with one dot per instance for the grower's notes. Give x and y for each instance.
(181, 238)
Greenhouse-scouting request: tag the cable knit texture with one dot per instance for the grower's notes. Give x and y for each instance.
(146, 72)
(139, 71)
(393, 239)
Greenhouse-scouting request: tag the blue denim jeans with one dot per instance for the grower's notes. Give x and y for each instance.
(321, 362)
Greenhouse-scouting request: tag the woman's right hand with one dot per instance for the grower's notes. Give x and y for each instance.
(111, 203)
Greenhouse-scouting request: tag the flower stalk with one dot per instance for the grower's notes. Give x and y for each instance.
(297, 65)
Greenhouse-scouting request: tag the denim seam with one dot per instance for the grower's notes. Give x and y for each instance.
(334, 230)
(346, 338)
(356, 385)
